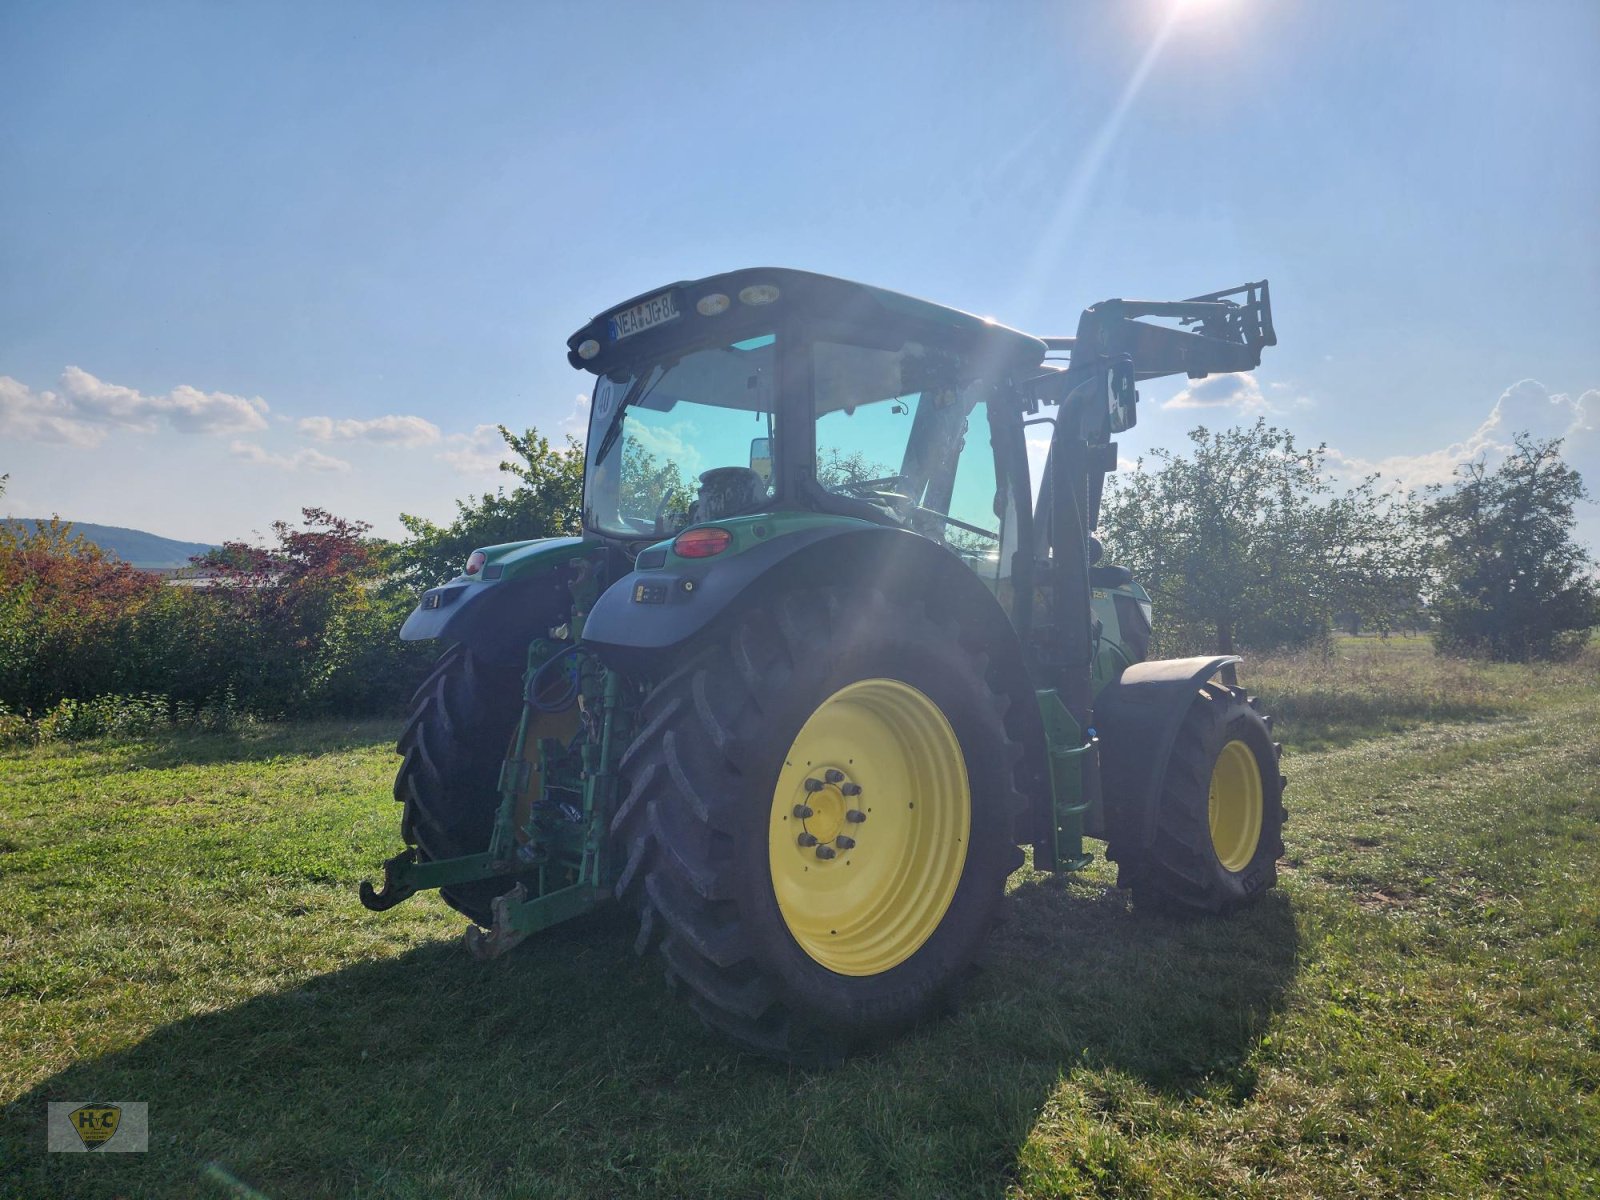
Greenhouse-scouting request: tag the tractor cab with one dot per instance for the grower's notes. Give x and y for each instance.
(771, 390)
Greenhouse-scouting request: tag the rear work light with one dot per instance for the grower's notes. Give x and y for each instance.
(701, 543)
(475, 562)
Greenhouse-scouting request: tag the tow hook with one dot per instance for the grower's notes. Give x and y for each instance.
(393, 890)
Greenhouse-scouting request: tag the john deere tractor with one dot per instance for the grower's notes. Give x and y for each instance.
(832, 648)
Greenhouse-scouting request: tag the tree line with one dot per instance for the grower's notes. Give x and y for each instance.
(1244, 540)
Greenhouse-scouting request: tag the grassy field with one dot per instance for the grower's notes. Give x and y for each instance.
(1416, 1011)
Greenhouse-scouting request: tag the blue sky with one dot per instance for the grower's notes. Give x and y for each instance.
(260, 256)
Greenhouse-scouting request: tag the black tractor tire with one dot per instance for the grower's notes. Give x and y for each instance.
(701, 778)
(455, 738)
(1183, 872)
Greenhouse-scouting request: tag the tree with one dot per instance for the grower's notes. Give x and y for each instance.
(838, 471)
(298, 626)
(1246, 541)
(1511, 583)
(649, 488)
(547, 501)
(65, 610)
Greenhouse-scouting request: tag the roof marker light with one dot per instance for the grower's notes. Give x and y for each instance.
(475, 562)
(758, 293)
(713, 305)
(588, 349)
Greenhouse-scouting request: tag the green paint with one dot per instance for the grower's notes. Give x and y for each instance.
(520, 559)
(1067, 750)
(751, 531)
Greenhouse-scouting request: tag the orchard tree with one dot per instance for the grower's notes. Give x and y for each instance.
(1246, 541)
(1511, 583)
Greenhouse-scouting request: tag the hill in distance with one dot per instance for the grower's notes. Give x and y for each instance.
(133, 546)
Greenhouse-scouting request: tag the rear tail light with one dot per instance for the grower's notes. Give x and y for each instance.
(701, 543)
(475, 562)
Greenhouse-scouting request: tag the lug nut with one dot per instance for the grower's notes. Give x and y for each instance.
(855, 816)
(851, 789)
(814, 785)
(845, 842)
(833, 775)
(808, 839)
(824, 851)
(803, 811)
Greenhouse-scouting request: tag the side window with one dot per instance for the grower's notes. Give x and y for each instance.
(976, 529)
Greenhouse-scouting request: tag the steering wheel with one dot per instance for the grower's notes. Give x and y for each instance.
(662, 508)
(859, 486)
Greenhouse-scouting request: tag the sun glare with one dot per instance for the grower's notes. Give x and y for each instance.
(1183, 10)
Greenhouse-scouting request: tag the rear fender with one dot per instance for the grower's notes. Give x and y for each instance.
(645, 618)
(1138, 719)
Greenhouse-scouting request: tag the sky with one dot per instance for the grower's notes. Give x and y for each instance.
(255, 257)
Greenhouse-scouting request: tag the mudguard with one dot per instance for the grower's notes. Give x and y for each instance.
(1138, 718)
(645, 616)
(657, 608)
(521, 593)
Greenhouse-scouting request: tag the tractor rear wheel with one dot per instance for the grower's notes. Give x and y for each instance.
(454, 741)
(819, 821)
(1219, 821)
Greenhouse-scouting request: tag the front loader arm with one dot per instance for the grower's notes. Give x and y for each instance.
(1219, 332)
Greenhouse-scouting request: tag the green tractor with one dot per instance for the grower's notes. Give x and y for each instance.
(828, 654)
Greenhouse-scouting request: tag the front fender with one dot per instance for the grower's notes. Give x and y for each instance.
(1138, 718)
(519, 594)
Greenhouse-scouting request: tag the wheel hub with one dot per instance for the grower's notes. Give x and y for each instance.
(830, 811)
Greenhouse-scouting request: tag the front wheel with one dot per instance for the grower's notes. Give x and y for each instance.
(819, 822)
(1219, 821)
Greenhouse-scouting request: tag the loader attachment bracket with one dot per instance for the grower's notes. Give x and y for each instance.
(1218, 332)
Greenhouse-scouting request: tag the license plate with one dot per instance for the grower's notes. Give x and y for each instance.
(657, 310)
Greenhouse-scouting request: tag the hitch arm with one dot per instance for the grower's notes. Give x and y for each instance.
(403, 875)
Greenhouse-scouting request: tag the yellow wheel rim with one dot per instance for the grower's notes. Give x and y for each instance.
(870, 821)
(1236, 804)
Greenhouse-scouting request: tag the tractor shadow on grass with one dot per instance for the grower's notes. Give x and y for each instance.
(566, 1069)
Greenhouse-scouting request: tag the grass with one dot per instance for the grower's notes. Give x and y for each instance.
(1416, 1011)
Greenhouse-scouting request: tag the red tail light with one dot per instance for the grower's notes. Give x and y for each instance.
(701, 543)
(475, 562)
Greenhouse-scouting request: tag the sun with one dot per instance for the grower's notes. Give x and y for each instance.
(1182, 10)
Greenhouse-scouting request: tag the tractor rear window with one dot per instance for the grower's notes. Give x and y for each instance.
(655, 431)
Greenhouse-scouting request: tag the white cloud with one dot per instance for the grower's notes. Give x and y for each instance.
(675, 442)
(477, 453)
(392, 430)
(576, 423)
(27, 415)
(186, 409)
(1236, 390)
(301, 460)
(86, 407)
(1524, 406)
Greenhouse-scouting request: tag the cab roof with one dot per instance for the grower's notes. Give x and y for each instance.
(822, 298)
